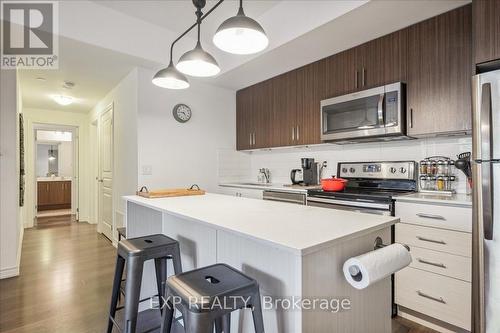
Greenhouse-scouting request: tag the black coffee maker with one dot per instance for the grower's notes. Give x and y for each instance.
(309, 171)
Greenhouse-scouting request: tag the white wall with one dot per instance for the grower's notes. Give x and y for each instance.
(32, 117)
(10, 230)
(183, 154)
(124, 100)
(234, 165)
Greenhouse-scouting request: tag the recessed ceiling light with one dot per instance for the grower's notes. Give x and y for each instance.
(41, 79)
(63, 100)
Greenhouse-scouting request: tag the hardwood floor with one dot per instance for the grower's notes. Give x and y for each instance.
(65, 283)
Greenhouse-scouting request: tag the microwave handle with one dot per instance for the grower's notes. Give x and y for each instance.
(380, 111)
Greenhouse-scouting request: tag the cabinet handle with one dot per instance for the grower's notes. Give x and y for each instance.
(297, 132)
(356, 79)
(437, 299)
(411, 118)
(363, 77)
(254, 138)
(250, 140)
(431, 216)
(437, 264)
(293, 133)
(423, 239)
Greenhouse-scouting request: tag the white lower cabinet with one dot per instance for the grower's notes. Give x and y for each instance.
(241, 192)
(435, 295)
(436, 287)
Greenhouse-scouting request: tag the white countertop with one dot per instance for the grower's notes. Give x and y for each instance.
(301, 229)
(455, 199)
(272, 186)
(53, 179)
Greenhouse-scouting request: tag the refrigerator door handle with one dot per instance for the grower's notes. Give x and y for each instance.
(486, 121)
(486, 155)
(487, 198)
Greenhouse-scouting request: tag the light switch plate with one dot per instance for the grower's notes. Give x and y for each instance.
(147, 170)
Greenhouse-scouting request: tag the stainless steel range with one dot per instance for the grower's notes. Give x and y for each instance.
(370, 187)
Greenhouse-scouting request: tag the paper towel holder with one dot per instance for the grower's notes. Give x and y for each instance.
(379, 243)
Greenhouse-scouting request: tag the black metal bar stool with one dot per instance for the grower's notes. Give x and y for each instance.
(133, 253)
(207, 296)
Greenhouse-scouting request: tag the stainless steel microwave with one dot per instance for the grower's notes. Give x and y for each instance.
(376, 114)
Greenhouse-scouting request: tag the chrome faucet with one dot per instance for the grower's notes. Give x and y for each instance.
(264, 175)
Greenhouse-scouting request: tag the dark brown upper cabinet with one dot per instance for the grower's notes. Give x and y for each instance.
(342, 75)
(375, 63)
(262, 110)
(244, 119)
(486, 30)
(439, 74)
(284, 111)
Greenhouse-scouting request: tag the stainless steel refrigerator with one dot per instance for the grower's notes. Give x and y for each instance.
(486, 203)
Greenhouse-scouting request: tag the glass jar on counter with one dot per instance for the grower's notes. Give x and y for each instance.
(424, 167)
(442, 168)
(441, 183)
(432, 168)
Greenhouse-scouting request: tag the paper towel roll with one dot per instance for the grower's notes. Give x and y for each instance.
(368, 268)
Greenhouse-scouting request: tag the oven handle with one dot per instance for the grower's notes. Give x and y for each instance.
(347, 203)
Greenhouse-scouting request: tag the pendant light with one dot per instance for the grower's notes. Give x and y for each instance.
(198, 62)
(241, 35)
(52, 156)
(170, 77)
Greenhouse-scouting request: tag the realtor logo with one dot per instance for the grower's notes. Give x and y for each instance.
(29, 34)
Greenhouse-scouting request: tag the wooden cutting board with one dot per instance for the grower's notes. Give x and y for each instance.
(165, 193)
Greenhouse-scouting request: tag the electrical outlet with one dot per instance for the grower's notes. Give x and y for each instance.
(147, 170)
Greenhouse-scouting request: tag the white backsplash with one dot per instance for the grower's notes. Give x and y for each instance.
(243, 166)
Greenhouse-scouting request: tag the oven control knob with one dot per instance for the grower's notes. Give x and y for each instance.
(393, 170)
(352, 170)
(402, 170)
(344, 170)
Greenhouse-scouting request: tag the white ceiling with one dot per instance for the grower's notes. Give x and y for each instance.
(94, 70)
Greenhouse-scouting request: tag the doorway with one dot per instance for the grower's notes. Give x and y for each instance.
(56, 175)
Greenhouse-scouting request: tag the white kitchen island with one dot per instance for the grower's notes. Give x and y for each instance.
(293, 252)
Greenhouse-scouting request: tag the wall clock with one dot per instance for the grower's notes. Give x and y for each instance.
(182, 113)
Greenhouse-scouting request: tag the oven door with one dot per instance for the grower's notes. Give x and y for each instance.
(374, 112)
(354, 206)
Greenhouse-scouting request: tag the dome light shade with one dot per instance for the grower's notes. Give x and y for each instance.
(241, 35)
(63, 99)
(170, 78)
(198, 62)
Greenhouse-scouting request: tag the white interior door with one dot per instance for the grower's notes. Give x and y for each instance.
(106, 173)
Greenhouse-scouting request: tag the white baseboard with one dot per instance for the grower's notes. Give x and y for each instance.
(9, 272)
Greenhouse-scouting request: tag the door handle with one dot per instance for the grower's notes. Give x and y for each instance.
(437, 264)
(486, 154)
(437, 299)
(431, 216)
(423, 239)
(380, 111)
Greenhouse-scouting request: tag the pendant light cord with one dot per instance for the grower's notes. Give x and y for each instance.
(200, 19)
